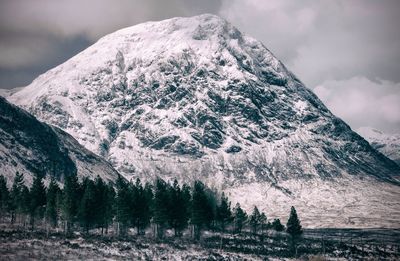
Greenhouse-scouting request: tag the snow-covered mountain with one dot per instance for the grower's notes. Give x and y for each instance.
(30, 146)
(195, 98)
(387, 144)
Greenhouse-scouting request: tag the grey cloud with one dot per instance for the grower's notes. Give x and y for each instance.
(362, 102)
(325, 39)
(32, 55)
(19, 50)
(92, 18)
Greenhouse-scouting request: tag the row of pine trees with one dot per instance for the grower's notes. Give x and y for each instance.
(91, 204)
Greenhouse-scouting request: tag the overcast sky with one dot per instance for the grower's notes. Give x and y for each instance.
(347, 51)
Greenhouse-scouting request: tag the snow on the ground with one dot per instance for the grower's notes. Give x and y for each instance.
(351, 203)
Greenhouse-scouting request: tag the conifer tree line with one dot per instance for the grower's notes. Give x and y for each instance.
(94, 204)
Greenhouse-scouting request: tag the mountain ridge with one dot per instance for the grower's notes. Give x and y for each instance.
(31, 147)
(387, 144)
(194, 98)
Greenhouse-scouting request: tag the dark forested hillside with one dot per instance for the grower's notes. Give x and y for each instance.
(33, 147)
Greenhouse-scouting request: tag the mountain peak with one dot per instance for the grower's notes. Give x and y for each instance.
(193, 98)
(199, 27)
(173, 71)
(188, 86)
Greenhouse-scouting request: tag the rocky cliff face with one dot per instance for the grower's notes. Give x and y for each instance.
(196, 98)
(32, 147)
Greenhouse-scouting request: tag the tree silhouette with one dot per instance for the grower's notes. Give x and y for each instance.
(263, 222)
(141, 204)
(254, 220)
(95, 204)
(178, 212)
(37, 199)
(70, 201)
(88, 205)
(277, 225)
(17, 201)
(53, 192)
(4, 196)
(224, 212)
(104, 197)
(293, 228)
(122, 205)
(109, 206)
(201, 209)
(160, 207)
(240, 218)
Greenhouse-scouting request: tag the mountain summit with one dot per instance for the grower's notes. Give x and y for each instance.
(195, 98)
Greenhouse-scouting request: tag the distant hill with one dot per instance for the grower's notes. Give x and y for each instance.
(387, 144)
(30, 146)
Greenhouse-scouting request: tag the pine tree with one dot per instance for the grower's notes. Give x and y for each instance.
(37, 199)
(53, 192)
(293, 226)
(123, 205)
(254, 220)
(16, 202)
(187, 198)
(25, 202)
(160, 206)
(103, 204)
(240, 218)
(177, 212)
(201, 207)
(224, 213)
(70, 201)
(87, 207)
(263, 222)
(141, 204)
(4, 196)
(148, 192)
(210, 207)
(277, 225)
(59, 204)
(110, 207)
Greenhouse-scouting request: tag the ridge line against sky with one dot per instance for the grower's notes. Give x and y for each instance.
(346, 51)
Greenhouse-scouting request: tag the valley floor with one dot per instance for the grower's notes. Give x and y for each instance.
(330, 244)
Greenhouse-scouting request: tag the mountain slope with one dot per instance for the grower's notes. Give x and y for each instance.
(388, 145)
(195, 98)
(30, 146)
